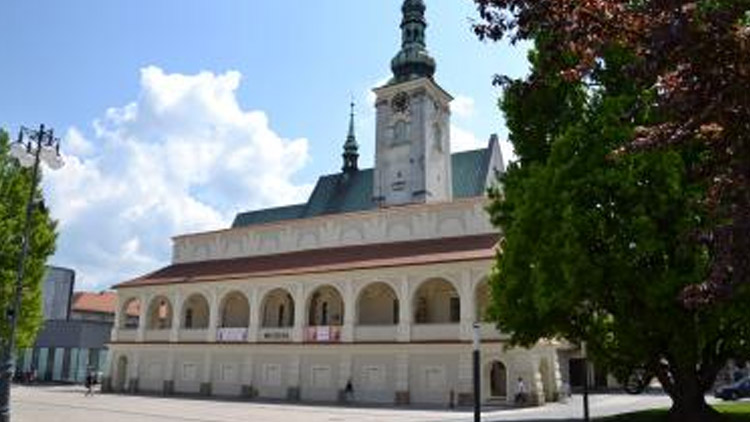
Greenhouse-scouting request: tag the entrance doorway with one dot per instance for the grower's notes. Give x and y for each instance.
(498, 380)
(122, 374)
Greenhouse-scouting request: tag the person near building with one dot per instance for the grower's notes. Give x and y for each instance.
(349, 391)
(89, 383)
(520, 392)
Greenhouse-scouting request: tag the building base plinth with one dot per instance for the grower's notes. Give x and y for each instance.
(465, 399)
(249, 392)
(205, 389)
(168, 388)
(403, 398)
(133, 386)
(293, 394)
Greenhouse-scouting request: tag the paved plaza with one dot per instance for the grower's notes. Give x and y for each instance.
(68, 403)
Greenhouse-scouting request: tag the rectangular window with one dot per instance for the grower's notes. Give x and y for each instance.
(272, 375)
(321, 376)
(189, 372)
(228, 372)
(373, 377)
(434, 378)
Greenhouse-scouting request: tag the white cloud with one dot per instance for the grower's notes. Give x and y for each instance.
(463, 140)
(76, 144)
(462, 106)
(509, 154)
(183, 157)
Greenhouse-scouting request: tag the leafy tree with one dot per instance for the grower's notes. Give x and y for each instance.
(15, 183)
(696, 53)
(598, 246)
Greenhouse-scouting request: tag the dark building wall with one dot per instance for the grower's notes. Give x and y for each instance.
(74, 334)
(57, 291)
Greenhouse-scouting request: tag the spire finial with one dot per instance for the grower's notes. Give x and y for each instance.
(351, 119)
(351, 148)
(413, 61)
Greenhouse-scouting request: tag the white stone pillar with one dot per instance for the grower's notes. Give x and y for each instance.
(468, 305)
(253, 327)
(213, 315)
(347, 335)
(402, 379)
(404, 310)
(174, 332)
(207, 367)
(247, 372)
(466, 372)
(293, 380)
(142, 317)
(345, 370)
(299, 314)
(169, 371)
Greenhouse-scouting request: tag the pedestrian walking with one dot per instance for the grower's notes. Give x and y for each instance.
(520, 392)
(349, 391)
(89, 384)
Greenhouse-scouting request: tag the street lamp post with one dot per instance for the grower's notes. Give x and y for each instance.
(476, 375)
(40, 146)
(585, 383)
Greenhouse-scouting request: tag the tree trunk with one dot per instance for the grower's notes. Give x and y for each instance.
(688, 401)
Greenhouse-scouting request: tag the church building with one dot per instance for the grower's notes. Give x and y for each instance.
(372, 285)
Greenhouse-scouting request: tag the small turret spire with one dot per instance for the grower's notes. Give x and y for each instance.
(351, 148)
(413, 61)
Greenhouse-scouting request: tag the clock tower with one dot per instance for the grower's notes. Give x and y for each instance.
(412, 133)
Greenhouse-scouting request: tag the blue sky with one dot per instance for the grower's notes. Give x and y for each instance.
(135, 84)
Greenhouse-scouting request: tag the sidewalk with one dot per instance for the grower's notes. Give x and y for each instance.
(68, 403)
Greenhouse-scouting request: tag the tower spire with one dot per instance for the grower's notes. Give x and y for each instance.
(351, 148)
(412, 61)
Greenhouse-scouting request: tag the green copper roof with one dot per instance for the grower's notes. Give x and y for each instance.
(352, 191)
(268, 215)
(470, 173)
(413, 60)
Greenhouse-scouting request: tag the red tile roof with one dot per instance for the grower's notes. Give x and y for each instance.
(102, 302)
(416, 252)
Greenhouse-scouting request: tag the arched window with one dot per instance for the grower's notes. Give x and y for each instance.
(437, 302)
(277, 309)
(160, 314)
(235, 311)
(377, 304)
(195, 312)
(130, 314)
(325, 307)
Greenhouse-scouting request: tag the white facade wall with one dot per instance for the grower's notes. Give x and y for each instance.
(320, 374)
(429, 361)
(462, 217)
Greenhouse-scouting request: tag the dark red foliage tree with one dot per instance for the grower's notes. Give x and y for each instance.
(696, 57)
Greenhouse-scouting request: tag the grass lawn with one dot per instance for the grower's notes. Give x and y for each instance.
(734, 412)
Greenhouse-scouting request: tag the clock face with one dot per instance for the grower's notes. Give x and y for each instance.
(400, 102)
